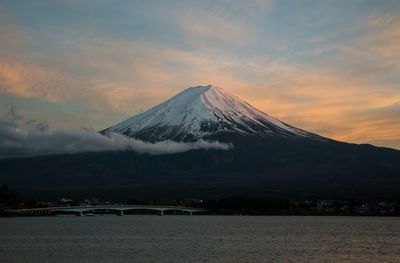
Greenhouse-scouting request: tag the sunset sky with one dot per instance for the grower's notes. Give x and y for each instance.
(329, 67)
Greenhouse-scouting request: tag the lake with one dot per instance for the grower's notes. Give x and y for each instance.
(149, 238)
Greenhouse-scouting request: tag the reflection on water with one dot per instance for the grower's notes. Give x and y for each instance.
(199, 239)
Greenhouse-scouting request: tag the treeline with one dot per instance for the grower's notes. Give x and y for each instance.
(283, 206)
(242, 205)
(248, 205)
(9, 198)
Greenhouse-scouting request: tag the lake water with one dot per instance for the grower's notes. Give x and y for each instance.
(141, 238)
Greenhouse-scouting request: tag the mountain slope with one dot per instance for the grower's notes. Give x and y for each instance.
(256, 166)
(199, 112)
(269, 158)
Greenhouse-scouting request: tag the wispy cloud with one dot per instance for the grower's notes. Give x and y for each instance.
(324, 67)
(21, 138)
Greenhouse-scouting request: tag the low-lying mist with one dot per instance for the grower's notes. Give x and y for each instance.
(20, 137)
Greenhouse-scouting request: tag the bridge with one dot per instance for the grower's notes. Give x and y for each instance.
(102, 209)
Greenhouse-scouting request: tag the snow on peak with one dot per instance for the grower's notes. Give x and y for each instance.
(202, 111)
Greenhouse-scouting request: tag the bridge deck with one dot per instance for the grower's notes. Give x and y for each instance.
(119, 208)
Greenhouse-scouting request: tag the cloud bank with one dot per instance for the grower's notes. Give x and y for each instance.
(294, 60)
(20, 137)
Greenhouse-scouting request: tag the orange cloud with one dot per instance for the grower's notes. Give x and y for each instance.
(345, 100)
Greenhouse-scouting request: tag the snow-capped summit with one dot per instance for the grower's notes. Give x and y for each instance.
(202, 111)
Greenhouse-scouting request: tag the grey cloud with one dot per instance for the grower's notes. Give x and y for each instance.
(391, 112)
(20, 137)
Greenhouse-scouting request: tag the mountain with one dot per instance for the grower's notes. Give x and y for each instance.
(202, 112)
(269, 158)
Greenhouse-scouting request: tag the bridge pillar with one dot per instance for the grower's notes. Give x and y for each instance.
(190, 213)
(121, 212)
(161, 212)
